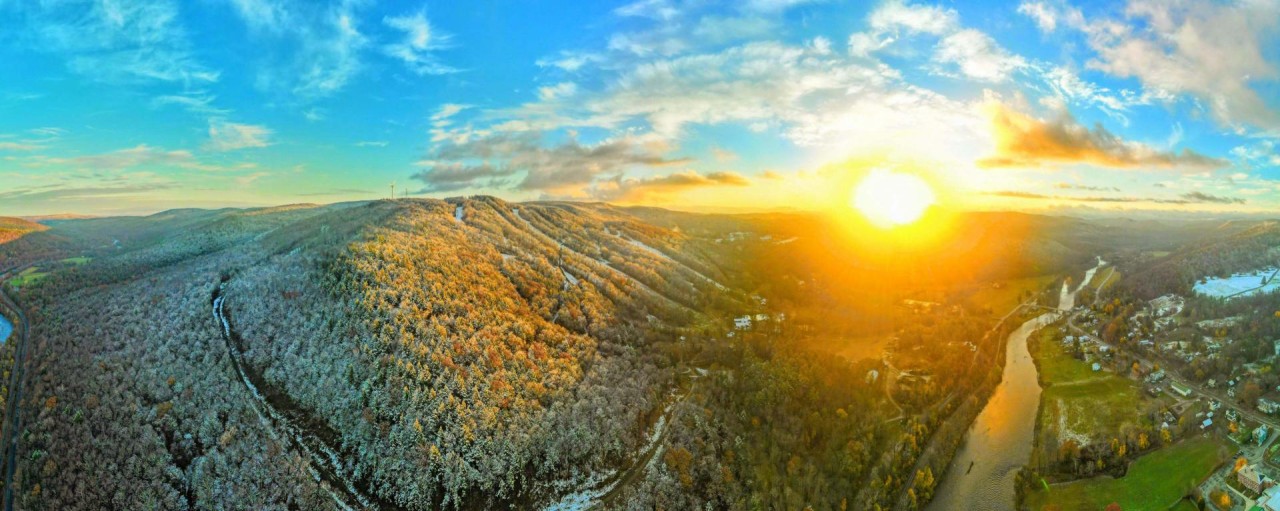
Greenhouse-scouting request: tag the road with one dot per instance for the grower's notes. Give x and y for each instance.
(1196, 389)
(13, 419)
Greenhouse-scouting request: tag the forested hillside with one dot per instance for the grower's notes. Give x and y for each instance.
(14, 228)
(1226, 248)
(479, 354)
(449, 354)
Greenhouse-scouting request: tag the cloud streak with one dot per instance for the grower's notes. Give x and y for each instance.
(1024, 141)
(1186, 198)
(227, 136)
(643, 189)
(523, 164)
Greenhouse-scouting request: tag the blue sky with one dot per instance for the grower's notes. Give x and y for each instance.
(110, 107)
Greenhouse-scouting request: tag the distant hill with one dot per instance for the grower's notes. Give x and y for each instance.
(1204, 249)
(13, 228)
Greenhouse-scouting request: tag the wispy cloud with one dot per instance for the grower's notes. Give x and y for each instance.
(417, 47)
(227, 136)
(316, 50)
(19, 146)
(524, 164)
(114, 41)
(1186, 198)
(195, 102)
(959, 51)
(642, 189)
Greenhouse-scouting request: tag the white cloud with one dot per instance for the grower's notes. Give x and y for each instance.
(811, 95)
(226, 136)
(977, 56)
(1213, 52)
(570, 61)
(723, 29)
(312, 51)
(128, 42)
(1048, 15)
(19, 146)
(897, 16)
(448, 110)
(653, 9)
(196, 102)
(417, 47)
(557, 91)
(142, 155)
(959, 51)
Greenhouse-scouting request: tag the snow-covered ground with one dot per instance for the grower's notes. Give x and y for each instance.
(1220, 322)
(1239, 284)
(1167, 305)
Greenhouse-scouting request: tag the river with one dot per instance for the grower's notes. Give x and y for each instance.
(1000, 440)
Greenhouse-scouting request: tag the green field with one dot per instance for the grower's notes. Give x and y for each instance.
(77, 260)
(1154, 482)
(1003, 296)
(1078, 401)
(1101, 280)
(27, 277)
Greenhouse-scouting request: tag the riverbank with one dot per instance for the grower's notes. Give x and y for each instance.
(1155, 482)
(999, 442)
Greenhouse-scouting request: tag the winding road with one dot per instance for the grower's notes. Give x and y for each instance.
(13, 419)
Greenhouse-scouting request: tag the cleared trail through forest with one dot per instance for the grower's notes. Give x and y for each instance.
(286, 421)
(606, 489)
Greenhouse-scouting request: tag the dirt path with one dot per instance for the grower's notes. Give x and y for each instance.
(610, 488)
(289, 424)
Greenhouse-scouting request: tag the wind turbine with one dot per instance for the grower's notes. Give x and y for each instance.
(393, 190)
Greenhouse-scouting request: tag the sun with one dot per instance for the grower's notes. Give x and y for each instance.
(890, 199)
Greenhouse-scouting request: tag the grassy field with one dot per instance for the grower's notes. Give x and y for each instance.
(858, 348)
(27, 277)
(1005, 295)
(1078, 402)
(1154, 482)
(1101, 282)
(77, 260)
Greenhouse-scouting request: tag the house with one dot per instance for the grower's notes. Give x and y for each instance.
(1206, 424)
(742, 322)
(1260, 434)
(1250, 478)
(1268, 406)
(1180, 389)
(1232, 415)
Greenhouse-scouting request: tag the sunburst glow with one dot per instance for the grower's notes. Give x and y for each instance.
(891, 199)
